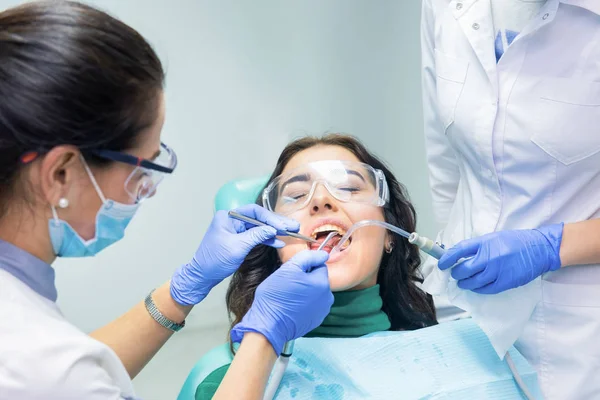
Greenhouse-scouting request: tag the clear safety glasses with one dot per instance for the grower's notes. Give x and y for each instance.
(146, 176)
(347, 181)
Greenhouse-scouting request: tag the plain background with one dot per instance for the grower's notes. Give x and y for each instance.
(243, 79)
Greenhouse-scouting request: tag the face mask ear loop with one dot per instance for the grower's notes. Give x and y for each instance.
(54, 214)
(96, 186)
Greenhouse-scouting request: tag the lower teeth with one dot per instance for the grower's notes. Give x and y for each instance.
(336, 241)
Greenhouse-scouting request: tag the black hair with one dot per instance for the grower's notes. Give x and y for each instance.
(71, 74)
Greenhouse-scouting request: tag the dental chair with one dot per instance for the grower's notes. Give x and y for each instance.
(240, 192)
(467, 346)
(232, 195)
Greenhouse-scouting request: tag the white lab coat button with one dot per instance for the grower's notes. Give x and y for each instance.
(488, 173)
(545, 17)
(476, 26)
(459, 6)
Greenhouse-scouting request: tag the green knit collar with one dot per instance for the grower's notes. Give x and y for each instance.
(354, 313)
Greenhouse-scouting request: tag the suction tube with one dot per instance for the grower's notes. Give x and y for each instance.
(426, 245)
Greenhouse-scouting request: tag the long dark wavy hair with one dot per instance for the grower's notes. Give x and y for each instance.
(406, 305)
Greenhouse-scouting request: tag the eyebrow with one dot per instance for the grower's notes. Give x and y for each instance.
(306, 177)
(356, 173)
(297, 178)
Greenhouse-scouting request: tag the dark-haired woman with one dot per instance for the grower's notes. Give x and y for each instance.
(328, 184)
(81, 115)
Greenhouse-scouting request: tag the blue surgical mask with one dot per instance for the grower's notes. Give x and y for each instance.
(111, 221)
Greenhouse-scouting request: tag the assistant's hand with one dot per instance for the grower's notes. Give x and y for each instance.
(291, 302)
(504, 260)
(223, 249)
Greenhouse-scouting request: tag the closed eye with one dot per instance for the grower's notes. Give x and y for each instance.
(289, 199)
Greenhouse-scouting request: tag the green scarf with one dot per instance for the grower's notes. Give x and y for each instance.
(353, 314)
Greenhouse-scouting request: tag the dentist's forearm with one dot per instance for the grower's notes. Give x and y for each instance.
(247, 376)
(580, 243)
(135, 336)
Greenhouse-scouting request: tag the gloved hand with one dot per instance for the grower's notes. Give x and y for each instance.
(223, 249)
(504, 260)
(291, 302)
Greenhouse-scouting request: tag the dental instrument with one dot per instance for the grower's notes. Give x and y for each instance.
(288, 349)
(279, 370)
(517, 377)
(327, 239)
(241, 217)
(324, 242)
(426, 245)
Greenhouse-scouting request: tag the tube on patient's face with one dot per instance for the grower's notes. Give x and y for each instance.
(355, 267)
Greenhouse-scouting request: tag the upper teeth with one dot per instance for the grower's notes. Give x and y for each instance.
(329, 228)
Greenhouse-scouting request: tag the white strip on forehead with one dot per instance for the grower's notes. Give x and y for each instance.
(333, 171)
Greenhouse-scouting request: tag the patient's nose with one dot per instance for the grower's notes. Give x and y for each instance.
(322, 200)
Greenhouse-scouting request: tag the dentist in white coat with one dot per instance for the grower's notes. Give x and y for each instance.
(512, 121)
(81, 114)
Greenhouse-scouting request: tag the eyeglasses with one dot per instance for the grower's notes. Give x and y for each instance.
(146, 176)
(144, 179)
(347, 181)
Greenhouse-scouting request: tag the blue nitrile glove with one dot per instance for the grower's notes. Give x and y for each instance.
(223, 249)
(504, 260)
(291, 302)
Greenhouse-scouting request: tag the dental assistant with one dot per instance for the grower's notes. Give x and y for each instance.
(512, 109)
(80, 123)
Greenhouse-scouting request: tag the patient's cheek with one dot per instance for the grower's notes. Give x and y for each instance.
(289, 251)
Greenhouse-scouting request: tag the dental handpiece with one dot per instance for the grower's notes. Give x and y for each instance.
(424, 244)
(256, 222)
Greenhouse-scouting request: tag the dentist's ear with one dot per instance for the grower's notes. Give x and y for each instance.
(58, 173)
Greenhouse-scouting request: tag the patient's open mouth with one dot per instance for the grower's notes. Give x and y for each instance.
(321, 233)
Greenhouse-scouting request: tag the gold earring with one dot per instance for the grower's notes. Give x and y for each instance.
(389, 248)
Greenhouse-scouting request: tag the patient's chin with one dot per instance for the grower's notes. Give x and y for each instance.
(341, 278)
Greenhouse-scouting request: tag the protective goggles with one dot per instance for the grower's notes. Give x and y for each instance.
(146, 176)
(347, 181)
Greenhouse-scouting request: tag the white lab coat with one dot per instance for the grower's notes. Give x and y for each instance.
(516, 145)
(44, 357)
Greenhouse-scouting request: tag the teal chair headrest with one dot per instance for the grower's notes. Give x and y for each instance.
(239, 192)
